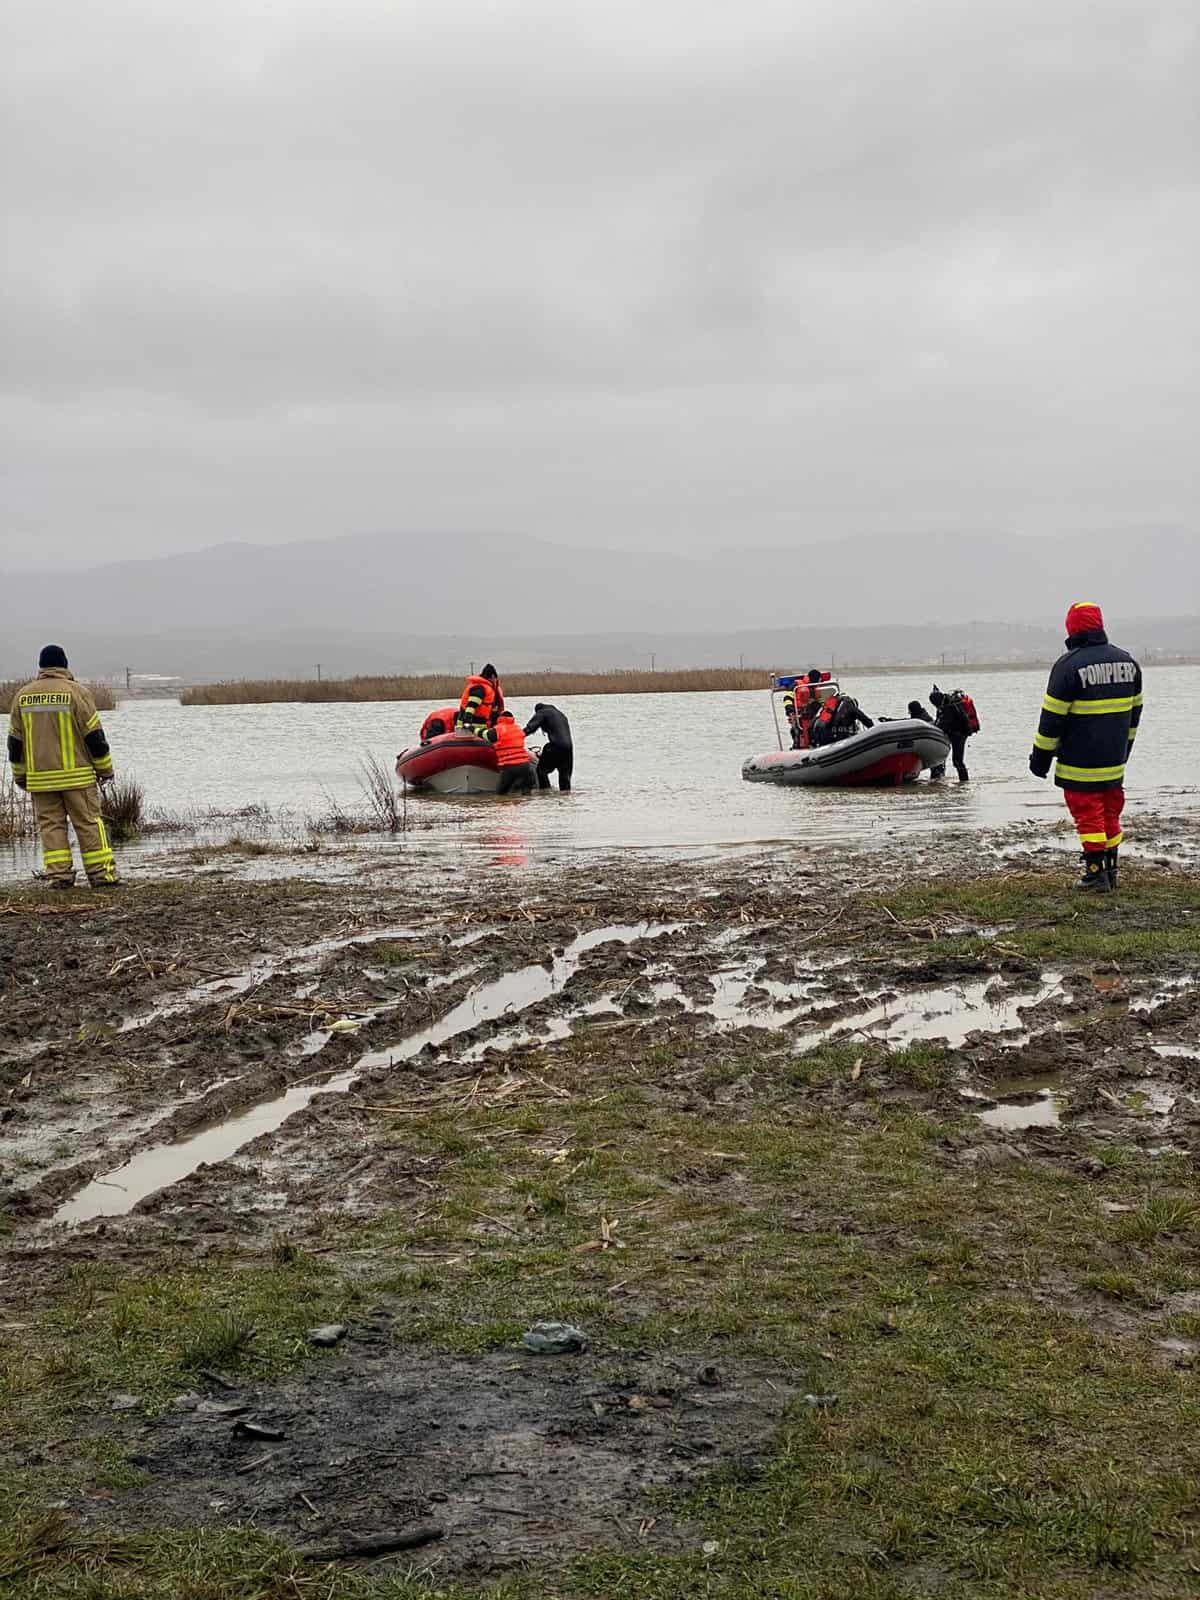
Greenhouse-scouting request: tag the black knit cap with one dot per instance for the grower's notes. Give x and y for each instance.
(489, 670)
(53, 655)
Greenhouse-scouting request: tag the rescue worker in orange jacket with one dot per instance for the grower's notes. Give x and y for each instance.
(438, 722)
(58, 752)
(1090, 716)
(482, 702)
(801, 704)
(516, 769)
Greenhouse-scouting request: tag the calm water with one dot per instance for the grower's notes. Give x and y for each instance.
(652, 771)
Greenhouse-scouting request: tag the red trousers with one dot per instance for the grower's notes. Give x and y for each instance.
(1097, 816)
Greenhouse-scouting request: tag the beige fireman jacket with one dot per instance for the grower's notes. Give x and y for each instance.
(55, 740)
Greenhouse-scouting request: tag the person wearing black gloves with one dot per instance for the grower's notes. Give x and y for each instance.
(558, 754)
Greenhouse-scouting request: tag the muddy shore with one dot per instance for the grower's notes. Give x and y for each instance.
(919, 1132)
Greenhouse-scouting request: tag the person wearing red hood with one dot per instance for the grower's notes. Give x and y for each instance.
(1090, 716)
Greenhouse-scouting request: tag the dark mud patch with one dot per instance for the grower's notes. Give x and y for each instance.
(517, 1458)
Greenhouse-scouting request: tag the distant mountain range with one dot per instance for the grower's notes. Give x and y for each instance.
(401, 602)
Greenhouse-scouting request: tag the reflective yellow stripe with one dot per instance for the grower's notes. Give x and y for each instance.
(103, 832)
(1084, 838)
(50, 782)
(1132, 735)
(92, 722)
(1100, 708)
(27, 729)
(52, 856)
(1041, 742)
(1061, 707)
(104, 764)
(95, 858)
(1138, 700)
(1114, 841)
(1090, 774)
(66, 738)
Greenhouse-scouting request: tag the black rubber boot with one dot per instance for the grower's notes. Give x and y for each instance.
(1111, 862)
(1095, 872)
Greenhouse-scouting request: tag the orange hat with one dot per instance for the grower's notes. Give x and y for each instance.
(1084, 617)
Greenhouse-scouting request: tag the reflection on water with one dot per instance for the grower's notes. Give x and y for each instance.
(652, 771)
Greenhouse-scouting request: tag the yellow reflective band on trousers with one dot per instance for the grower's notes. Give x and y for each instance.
(1090, 838)
(1101, 708)
(1114, 841)
(1041, 742)
(1089, 774)
(1059, 707)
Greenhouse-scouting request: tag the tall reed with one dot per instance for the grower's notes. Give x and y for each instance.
(16, 813)
(430, 688)
(101, 694)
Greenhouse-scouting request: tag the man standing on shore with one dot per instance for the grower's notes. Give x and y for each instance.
(558, 755)
(58, 752)
(1089, 720)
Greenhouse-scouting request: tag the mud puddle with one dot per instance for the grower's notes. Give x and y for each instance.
(511, 1458)
(1024, 1103)
(950, 1015)
(116, 1192)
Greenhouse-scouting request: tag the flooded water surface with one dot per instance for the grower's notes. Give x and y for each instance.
(652, 771)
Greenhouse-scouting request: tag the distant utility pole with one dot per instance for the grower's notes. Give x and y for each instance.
(741, 662)
(129, 679)
(653, 658)
(318, 672)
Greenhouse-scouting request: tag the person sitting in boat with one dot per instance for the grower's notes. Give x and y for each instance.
(481, 703)
(516, 769)
(438, 722)
(800, 706)
(839, 718)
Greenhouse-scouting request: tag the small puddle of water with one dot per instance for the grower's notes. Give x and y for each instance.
(117, 1192)
(1181, 1052)
(1039, 1107)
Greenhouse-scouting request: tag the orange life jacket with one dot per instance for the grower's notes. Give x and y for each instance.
(828, 711)
(509, 739)
(445, 716)
(806, 691)
(482, 701)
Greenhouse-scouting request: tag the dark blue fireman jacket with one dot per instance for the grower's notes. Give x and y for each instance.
(1090, 714)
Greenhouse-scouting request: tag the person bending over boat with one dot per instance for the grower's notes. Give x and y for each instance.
(438, 722)
(839, 718)
(559, 753)
(482, 702)
(919, 714)
(516, 771)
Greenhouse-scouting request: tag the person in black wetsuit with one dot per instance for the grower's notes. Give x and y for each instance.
(559, 752)
(951, 720)
(919, 714)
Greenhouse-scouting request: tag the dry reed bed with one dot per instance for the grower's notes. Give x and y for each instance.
(433, 688)
(101, 694)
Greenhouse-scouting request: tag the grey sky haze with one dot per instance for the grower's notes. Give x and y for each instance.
(607, 273)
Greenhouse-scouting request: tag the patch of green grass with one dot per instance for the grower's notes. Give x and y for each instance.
(1160, 1215)
(1120, 1286)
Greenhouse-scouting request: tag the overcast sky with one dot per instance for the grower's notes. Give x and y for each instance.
(635, 272)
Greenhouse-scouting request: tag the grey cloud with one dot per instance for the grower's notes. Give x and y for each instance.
(606, 272)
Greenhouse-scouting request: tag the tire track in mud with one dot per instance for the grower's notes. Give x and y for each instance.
(118, 1191)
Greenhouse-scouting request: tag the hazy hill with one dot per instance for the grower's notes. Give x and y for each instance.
(396, 601)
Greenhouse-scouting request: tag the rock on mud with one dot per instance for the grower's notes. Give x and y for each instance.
(554, 1339)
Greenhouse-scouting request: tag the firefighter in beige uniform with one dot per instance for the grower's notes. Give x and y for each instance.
(59, 754)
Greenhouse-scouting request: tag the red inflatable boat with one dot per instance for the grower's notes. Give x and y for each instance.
(452, 763)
